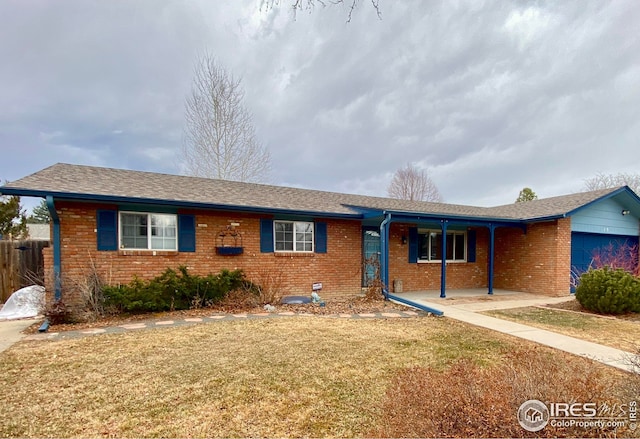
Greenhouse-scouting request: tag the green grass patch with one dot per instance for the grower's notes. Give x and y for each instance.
(615, 332)
(546, 316)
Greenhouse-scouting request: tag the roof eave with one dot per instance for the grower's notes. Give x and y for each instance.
(452, 217)
(176, 203)
(614, 193)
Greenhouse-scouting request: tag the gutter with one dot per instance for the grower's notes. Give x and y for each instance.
(56, 247)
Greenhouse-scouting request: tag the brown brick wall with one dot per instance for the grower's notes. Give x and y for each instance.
(426, 276)
(339, 269)
(535, 262)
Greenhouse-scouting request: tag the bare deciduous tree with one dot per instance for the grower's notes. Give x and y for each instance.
(219, 136)
(605, 181)
(409, 183)
(308, 5)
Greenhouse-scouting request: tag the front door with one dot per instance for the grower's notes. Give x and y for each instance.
(370, 255)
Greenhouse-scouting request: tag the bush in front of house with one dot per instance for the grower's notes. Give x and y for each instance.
(172, 290)
(609, 291)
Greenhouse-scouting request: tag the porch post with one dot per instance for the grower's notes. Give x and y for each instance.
(492, 229)
(443, 265)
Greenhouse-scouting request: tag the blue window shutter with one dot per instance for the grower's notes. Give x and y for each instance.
(471, 246)
(186, 233)
(266, 236)
(107, 227)
(414, 241)
(321, 237)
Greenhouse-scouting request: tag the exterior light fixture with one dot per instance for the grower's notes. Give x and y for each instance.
(404, 239)
(625, 212)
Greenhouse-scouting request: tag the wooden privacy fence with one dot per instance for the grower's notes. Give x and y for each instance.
(21, 265)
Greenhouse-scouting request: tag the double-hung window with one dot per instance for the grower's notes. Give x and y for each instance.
(148, 231)
(293, 236)
(430, 246)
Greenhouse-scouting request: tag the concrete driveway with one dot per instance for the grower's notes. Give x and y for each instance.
(11, 331)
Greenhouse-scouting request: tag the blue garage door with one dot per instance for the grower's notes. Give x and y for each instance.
(585, 245)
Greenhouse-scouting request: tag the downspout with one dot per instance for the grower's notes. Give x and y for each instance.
(56, 247)
(384, 254)
(443, 265)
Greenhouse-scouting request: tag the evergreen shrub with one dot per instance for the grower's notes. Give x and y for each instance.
(172, 290)
(609, 291)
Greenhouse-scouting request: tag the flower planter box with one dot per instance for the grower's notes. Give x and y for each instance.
(229, 251)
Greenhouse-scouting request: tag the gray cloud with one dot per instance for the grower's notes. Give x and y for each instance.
(489, 96)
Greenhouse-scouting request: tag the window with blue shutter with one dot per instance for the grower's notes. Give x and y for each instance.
(321, 237)
(414, 242)
(186, 233)
(107, 230)
(471, 246)
(266, 236)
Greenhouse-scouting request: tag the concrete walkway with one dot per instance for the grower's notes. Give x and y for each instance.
(11, 331)
(466, 308)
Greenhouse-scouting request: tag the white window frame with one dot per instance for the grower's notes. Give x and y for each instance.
(432, 233)
(295, 241)
(150, 237)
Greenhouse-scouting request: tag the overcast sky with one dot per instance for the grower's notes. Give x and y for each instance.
(489, 97)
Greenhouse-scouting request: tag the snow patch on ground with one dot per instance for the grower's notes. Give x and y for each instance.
(24, 303)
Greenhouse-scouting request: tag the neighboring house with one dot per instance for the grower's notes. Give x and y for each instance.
(132, 223)
(39, 232)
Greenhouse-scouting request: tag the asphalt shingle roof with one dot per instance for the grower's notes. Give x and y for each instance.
(89, 182)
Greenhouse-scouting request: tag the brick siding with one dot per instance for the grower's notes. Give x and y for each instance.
(536, 262)
(339, 269)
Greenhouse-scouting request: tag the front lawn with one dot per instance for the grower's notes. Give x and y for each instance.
(304, 376)
(621, 333)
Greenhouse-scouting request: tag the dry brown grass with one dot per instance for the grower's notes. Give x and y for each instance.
(618, 333)
(473, 401)
(285, 377)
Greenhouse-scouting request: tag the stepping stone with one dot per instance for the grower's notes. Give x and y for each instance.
(240, 316)
(287, 313)
(390, 314)
(165, 322)
(262, 314)
(133, 326)
(94, 331)
(47, 336)
(410, 313)
(345, 316)
(193, 319)
(366, 315)
(217, 317)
